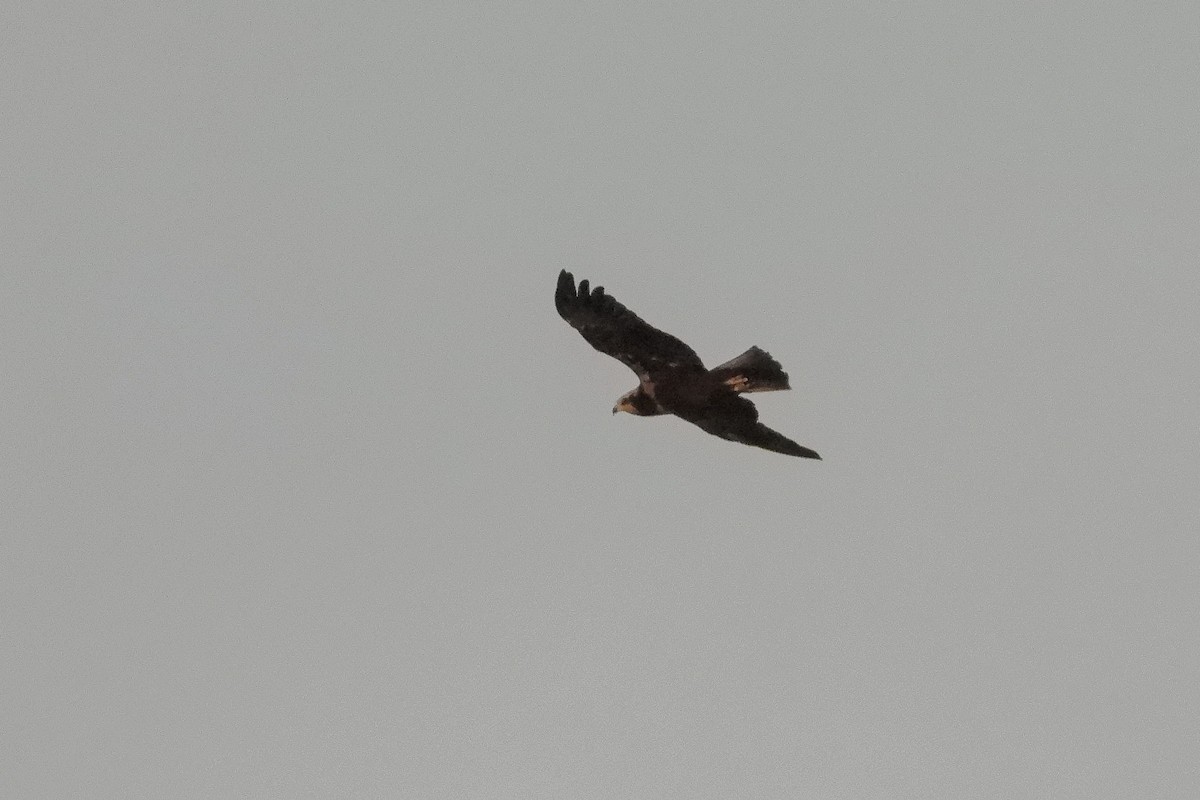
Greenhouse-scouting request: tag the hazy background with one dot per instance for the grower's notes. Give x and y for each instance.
(308, 492)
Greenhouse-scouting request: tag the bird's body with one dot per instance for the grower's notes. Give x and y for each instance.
(671, 377)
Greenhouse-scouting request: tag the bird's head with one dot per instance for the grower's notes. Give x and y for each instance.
(634, 402)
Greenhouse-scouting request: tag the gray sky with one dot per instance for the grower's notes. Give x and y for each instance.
(308, 492)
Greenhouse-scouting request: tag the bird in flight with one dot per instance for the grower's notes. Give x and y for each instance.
(671, 377)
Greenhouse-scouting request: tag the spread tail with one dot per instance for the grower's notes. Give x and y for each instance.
(752, 371)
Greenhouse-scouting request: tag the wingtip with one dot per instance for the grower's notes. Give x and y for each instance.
(801, 451)
(564, 292)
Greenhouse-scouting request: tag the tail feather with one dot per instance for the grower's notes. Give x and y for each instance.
(752, 371)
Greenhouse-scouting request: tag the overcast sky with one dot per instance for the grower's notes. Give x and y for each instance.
(308, 492)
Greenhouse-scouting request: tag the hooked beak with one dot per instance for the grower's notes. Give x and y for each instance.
(615, 410)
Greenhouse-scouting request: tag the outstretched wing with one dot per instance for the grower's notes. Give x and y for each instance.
(736, 419)
(614, 330)
(759, 435)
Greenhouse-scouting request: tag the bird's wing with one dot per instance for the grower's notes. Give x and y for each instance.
(614, 330)
(759, 435)
(736, 419)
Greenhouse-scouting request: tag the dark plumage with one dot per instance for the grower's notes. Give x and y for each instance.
(672, 379)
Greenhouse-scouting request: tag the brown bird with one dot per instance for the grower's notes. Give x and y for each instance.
(672, 379)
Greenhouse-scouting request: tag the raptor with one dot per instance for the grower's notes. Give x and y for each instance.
(671, 377)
